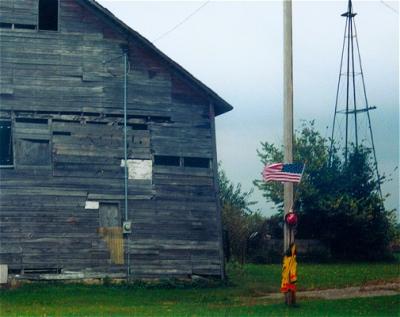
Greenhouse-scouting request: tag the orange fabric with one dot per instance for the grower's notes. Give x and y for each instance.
(289, 271)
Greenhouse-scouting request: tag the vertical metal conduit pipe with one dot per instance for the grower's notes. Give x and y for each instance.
(125, 55)
(125, 138)
(126, 154)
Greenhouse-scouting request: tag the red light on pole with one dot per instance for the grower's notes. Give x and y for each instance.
(291, 219)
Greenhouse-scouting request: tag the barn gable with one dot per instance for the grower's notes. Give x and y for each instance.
(62, 162)
(193, 86)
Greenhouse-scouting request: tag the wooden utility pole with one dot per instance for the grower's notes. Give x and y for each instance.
(288, 235)
(287, 112)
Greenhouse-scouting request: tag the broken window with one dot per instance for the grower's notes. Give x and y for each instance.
(6, 148)
(166, 160)
(196, 162)
(48, 15)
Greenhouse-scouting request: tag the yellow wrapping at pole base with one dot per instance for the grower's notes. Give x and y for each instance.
(289, 270)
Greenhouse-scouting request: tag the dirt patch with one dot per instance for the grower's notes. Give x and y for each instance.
(371, 290)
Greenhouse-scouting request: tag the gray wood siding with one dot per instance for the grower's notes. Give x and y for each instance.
(19, 11)
(63, 99)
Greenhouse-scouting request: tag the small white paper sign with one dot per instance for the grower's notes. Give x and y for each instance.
(91, 205)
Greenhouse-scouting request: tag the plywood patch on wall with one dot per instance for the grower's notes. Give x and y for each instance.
(115, 243)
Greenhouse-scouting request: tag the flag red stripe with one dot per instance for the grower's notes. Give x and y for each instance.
(274, 172)
(282, 176)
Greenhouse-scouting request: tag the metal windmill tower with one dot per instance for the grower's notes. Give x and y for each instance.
(352, 111)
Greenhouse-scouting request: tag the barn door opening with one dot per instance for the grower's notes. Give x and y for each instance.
(111, 231)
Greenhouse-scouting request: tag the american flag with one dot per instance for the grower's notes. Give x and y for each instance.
(280, 172)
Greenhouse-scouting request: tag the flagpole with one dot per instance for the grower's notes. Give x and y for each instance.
(288, 237)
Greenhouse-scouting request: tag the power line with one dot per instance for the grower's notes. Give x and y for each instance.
(182, 22)
(390, 7)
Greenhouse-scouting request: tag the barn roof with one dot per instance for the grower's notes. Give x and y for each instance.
(221, 106)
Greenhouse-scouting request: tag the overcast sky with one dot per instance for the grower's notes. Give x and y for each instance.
(235, 47)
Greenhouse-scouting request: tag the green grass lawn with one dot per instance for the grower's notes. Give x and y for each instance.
(238, 298)
(314, 276)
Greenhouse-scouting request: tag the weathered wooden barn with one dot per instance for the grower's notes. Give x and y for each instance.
(67, 169)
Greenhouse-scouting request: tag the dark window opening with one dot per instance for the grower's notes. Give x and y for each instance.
(160, 119)
(61, 133)
(6, 148)
(72, 113)
(25, 26)
(135, 126)
(65, 121)
(97, 122)
(48, 15)
(5, 25)
(31, 120)
(196, 162)
(166, 160)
